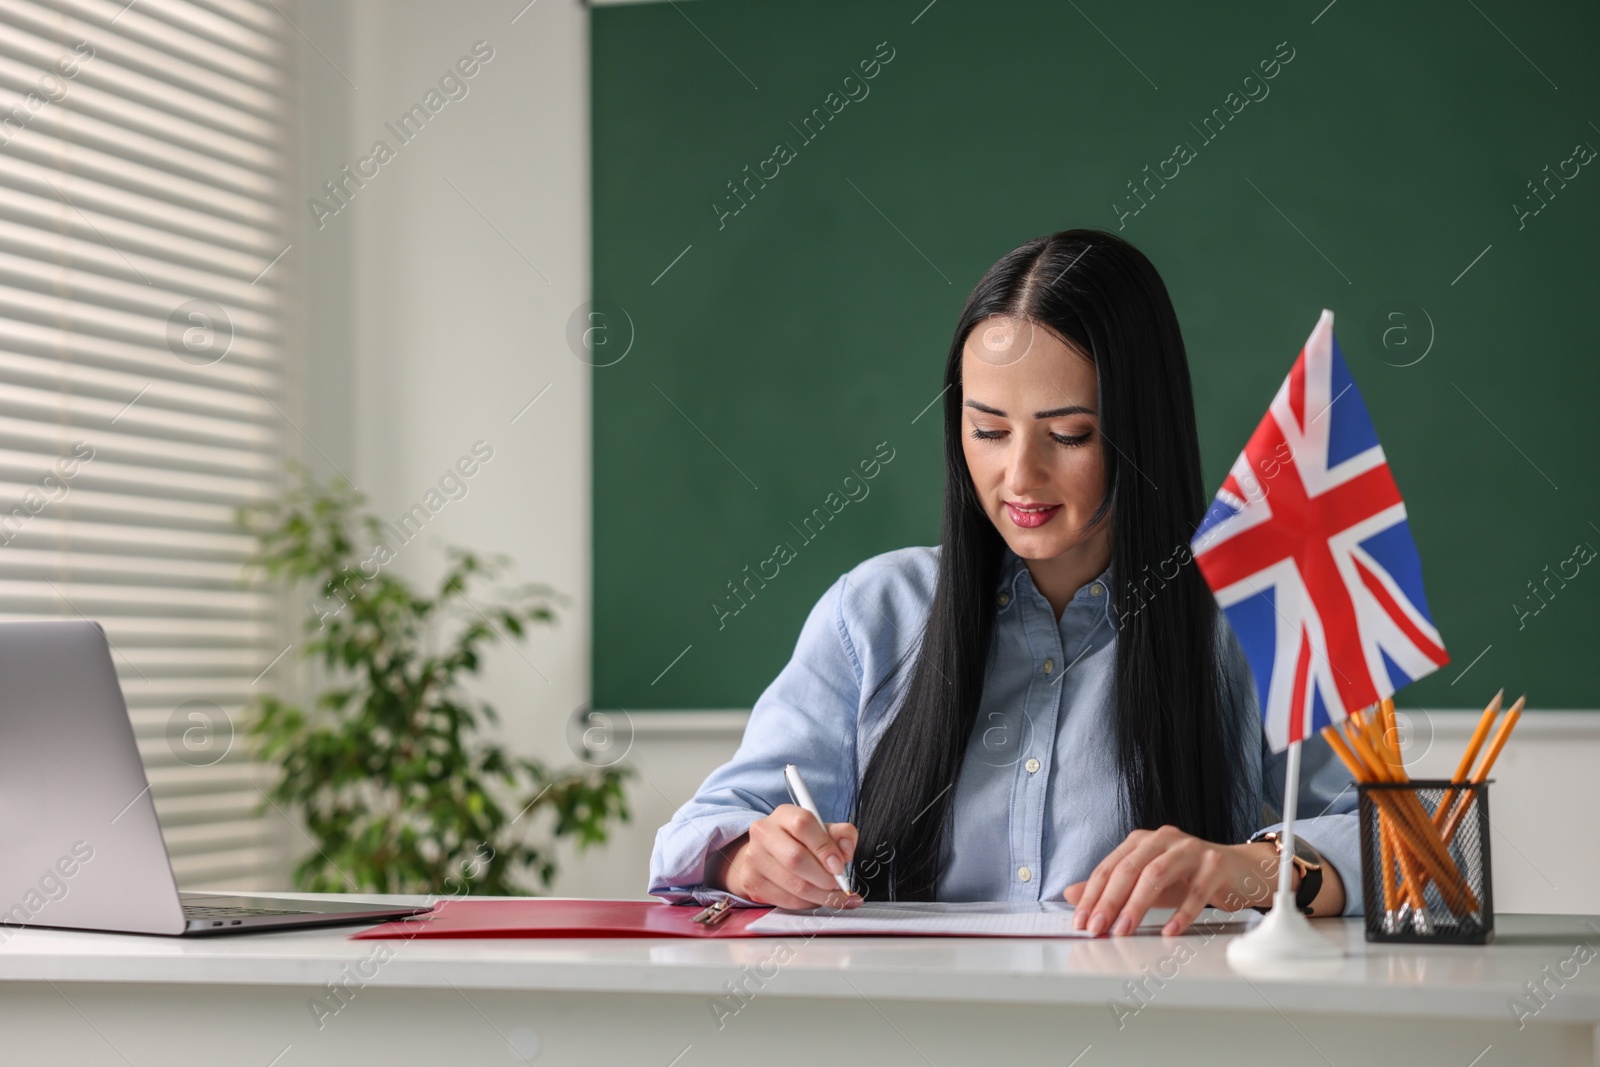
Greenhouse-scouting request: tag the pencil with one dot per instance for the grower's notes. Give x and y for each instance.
(1465, 766)
(1391, 731)
(1361, 773)
(1388, 852)
(1414, 883)
(1386, 858)
(1501, 736)
(1377, 767)
(1342, 750)
(1380, 729)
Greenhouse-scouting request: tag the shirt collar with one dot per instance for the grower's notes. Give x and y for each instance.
(1016, 581)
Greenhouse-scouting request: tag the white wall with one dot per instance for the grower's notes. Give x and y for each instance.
(436, 308)
(425, 328)
(456, 330)
(431, 315)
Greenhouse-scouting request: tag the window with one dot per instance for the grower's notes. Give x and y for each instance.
(142, 223)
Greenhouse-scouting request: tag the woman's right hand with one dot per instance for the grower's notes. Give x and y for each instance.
(786, 860)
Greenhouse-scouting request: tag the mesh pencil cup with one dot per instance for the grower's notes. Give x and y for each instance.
(1425, 873)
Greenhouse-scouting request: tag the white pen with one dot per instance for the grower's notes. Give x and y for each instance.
(802, 796)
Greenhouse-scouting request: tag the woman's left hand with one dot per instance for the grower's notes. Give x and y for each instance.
(1168, 868)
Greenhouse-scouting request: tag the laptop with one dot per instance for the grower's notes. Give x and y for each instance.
(80, 847)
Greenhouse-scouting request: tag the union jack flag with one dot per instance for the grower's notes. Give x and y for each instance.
(1309, 553)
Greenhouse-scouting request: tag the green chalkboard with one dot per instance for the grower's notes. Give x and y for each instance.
(767, 318)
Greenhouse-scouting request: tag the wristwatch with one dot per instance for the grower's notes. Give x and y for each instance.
(1306, 860)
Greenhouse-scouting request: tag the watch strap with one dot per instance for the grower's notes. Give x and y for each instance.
(1307, 860)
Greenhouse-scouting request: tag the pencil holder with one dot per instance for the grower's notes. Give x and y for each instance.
(1425, 873)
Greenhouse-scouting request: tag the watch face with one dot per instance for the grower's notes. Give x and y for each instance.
(1306, 854)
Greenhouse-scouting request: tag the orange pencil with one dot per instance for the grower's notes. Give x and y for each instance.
(1414, 882)
(1361, 742)
(1501, 736)
(1342, 750)
(1361, 773)
(1391, 731)
(1381, 730)
(1465, 766)
(1386, 859)
(1391, 851)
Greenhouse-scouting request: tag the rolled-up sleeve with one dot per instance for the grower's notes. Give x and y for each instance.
(807, 717)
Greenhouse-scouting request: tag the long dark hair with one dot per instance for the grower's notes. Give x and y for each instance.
(1177, 739)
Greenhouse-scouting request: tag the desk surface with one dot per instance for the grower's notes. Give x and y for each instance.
(1405, 980)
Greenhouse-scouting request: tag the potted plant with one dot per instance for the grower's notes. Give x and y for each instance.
(398, 791)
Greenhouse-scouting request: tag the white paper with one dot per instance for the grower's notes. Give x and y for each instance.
(971, 918)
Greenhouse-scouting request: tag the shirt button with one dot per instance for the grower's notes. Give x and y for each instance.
(1049, 665)
(1097, 589)
(1005, 598)
(1033, 766)
(1025, 874)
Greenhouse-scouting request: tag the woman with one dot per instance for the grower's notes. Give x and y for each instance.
(1049, 704)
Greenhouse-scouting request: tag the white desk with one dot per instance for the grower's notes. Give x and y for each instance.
(258, 1000)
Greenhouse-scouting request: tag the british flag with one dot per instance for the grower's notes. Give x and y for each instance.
(1309, 553)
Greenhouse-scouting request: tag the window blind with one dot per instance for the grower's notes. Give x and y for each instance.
(142, 176)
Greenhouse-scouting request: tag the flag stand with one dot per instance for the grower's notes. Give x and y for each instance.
(1284, 935)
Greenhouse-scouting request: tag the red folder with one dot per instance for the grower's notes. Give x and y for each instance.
(544, 917)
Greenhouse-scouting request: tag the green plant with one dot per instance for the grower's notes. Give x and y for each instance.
(396, 789)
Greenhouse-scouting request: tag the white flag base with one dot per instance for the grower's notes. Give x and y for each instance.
(1284, 935)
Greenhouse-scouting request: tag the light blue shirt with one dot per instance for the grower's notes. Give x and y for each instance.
(1037, 803)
